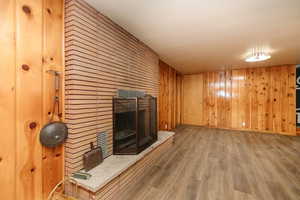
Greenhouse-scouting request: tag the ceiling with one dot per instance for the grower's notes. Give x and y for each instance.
(195, 36)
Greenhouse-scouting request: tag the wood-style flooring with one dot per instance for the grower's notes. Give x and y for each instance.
(210, 164)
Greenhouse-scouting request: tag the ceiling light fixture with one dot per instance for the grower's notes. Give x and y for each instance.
(258, 55)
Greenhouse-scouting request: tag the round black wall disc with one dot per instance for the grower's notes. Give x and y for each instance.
(53, 134)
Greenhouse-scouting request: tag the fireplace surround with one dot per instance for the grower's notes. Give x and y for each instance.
(134, 124)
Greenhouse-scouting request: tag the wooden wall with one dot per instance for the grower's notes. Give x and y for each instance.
(101, 57)
(169, 97)
(8, 100)
(179, 99)
(261, 99)
(30, 45)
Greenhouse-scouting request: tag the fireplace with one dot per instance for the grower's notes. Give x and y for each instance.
(134, 124)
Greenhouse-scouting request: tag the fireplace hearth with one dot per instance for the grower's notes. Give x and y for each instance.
(134, 124)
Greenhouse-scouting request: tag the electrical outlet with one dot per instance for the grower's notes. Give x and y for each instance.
(166, 126)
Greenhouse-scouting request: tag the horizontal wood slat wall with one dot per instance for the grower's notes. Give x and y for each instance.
(101, 57)
(261, 99)
(169, 97)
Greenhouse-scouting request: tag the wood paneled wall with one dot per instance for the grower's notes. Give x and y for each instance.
(101, 57)
(261, 99)
(179, 97)
(8, 100)
(53, 59)
(170, 97)
(31, 43)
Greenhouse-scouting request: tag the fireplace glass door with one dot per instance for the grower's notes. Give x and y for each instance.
(135, 124)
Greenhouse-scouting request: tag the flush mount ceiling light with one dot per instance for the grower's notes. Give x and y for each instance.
(258, 55)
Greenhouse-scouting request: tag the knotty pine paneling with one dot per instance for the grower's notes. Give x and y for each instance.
(101, 57)
(261, 99)
(170, 87)
(53, 59)
(178, 111)
(31, 44)
(29, 109)
(8, 100)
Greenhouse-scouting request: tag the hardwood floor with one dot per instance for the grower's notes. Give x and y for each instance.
(209, 164)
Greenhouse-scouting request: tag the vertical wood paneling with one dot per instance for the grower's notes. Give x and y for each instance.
(204, 99)
(211, 87)
(268, 105)
(260, 99)
(228, 95)
(31, 43)
(164, 97)
(7, 101)
(172, 96)
(53, 47)
(29, 40)
(174, 99)
(247, 98)
(242, 100)
(291, 99)
(219, 98)
(276, 98)
(254, 99)
(284, 101)
(221, 101)
(235, 99)
(101, 57)
(169, 97)
(178, 111)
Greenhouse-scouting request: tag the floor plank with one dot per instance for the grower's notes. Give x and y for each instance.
(216, 164)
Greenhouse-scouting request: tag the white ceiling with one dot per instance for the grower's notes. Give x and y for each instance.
(203, 35)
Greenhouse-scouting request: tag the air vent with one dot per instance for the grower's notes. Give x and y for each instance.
(102, 142)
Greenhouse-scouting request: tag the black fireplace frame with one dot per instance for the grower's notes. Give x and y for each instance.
(153, 112)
